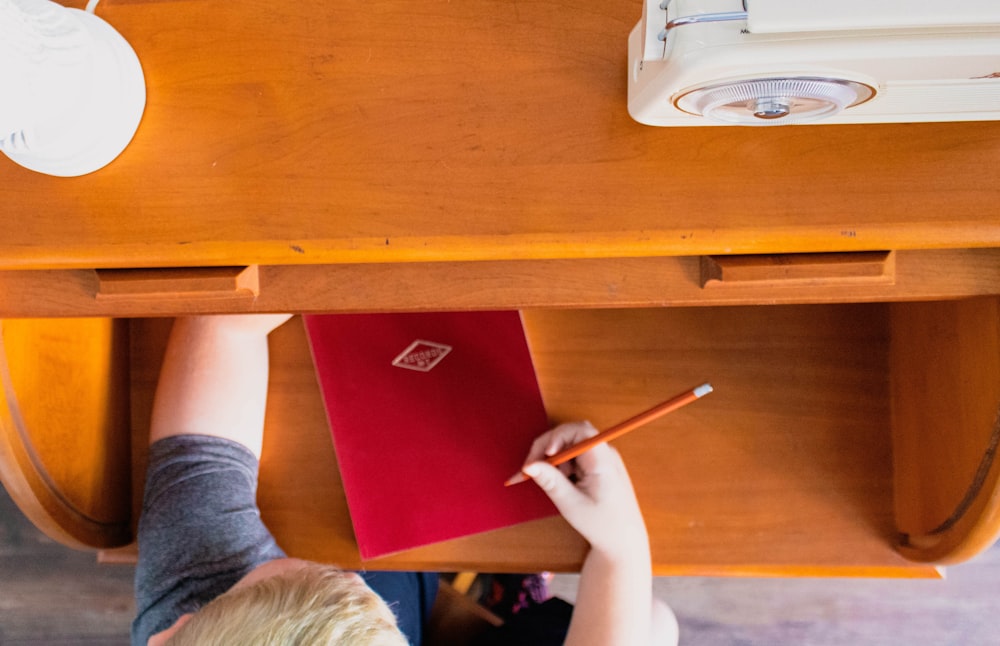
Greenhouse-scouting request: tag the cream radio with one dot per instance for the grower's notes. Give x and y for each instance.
(773, 62)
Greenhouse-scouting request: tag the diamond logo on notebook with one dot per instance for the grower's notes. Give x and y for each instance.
(421, 355)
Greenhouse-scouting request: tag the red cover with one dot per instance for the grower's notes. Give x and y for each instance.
(426, 434)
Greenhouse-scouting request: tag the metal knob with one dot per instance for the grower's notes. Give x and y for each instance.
(771, 108)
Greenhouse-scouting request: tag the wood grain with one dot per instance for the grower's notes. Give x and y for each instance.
(64, 439)
(56, 596)
(615, 282)
(787, 464)
(178, 284)
(291, 133)
(785, 470)
(946, 391)
(815, 269)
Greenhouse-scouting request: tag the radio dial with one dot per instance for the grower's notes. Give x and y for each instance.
(773, 101)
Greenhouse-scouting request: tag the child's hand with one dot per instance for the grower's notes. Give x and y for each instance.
(593, 492)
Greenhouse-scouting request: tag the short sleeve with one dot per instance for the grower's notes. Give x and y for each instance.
(200, 530)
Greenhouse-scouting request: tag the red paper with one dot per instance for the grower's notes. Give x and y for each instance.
(424, 449)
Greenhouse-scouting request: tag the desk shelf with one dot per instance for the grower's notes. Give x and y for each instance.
(842, 439)
(787, 464)
(797, 464)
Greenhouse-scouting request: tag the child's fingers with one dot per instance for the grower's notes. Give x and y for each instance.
(559, 438)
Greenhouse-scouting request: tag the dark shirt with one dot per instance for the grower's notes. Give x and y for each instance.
(200, 532)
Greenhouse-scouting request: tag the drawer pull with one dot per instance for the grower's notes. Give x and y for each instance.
(181, 282)
(799, 268)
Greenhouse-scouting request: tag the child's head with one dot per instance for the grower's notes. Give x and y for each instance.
(309, 604)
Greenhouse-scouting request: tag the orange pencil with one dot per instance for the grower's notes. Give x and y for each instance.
(618, 430)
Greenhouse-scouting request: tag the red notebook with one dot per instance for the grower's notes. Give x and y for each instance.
(430, 413)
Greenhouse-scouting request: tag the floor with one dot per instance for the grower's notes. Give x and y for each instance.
(958, 611)
(55, 596)
(52, 595)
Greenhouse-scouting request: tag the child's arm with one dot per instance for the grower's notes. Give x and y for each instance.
(614, 601)
(214, 379)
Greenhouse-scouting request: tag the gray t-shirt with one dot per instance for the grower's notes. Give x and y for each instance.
(200, 531)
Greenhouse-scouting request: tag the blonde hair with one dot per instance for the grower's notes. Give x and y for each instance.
(315, 604)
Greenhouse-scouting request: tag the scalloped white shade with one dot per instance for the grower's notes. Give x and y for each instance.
(74, 91)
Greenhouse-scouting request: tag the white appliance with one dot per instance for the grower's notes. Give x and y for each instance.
(73, 92)
(774, 62)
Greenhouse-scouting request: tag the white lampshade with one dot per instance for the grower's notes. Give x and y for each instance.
(73, 90)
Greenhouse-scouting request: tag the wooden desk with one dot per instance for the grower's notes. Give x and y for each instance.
(360, 132)
(363, 156)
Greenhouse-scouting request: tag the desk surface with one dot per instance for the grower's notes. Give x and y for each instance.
(797, 463)
(796, 479)
(357, 131)
(388, 131)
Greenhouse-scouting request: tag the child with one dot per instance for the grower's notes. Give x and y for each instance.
(210, 572)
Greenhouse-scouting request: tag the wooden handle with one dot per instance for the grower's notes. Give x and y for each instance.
(182, 282)
(799, 268)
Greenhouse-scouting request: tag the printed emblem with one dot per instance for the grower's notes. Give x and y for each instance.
(421, 355)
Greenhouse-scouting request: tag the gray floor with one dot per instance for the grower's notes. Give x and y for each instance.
(962, 610)
(56, 596)
(50, 594)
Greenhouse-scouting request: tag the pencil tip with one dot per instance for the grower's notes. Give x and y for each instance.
(515, 479)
